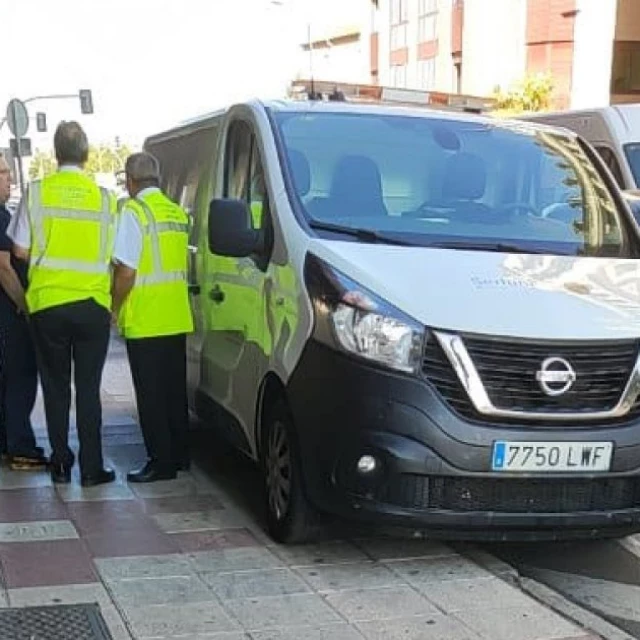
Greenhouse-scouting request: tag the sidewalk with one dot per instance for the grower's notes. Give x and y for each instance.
(187, 559)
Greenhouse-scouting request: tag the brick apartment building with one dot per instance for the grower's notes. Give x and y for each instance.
(591, 47)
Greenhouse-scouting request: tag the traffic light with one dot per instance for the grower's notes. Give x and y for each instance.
(41, 122)
(86, 101)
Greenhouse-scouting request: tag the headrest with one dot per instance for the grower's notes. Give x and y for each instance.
(356, 177)
(300, 171)
(465, 177)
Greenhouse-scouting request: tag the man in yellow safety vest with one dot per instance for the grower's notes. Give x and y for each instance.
(151, 307)
(65, 229)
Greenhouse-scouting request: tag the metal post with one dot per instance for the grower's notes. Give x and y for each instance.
(19, 155)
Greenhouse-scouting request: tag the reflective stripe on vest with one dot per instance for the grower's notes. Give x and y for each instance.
(40, 214)
(154, 229)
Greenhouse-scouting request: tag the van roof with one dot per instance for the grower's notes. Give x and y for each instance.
(624, 119)
(318, 106)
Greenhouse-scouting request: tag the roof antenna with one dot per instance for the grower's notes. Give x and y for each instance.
(313, 95)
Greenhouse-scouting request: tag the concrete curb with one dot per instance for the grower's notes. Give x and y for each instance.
(589, 621)
(631, 544)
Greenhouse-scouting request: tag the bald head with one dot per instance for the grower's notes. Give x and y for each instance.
(71, 144)
(142, 170)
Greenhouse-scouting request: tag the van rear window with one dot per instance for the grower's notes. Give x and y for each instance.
(430, 179)
(633, 158)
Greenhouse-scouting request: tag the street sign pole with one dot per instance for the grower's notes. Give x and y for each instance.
(18, 123)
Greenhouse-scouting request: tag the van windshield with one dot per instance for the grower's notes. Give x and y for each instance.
(464, 184)
(633, 158)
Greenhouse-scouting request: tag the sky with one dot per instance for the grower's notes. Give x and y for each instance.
(149, 63)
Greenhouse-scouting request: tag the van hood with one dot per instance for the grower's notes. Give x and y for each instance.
(526, 296)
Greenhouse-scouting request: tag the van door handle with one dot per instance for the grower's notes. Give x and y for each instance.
(216, 294)
(194, 289)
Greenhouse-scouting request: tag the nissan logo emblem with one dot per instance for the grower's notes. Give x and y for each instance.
(556, 376)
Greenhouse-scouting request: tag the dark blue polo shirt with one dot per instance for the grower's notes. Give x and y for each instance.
(6, 304)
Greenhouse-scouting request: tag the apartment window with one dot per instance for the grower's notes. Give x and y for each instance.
(427, 74)
(399, 19)
(399, 76)
(626, 68)
(427, 20)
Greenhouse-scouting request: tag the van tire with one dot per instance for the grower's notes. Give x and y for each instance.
(290, 518)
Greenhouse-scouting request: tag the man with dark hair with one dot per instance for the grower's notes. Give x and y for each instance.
(65, 229)
(18, 370)
(151, 304)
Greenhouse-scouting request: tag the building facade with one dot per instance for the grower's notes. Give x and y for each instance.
(590, 47)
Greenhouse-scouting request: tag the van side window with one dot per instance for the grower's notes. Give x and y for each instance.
(609, 158)
(238, 161)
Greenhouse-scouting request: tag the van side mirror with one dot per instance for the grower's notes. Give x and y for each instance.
(231, 232)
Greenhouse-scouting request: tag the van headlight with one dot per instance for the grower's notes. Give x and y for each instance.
(357, 321)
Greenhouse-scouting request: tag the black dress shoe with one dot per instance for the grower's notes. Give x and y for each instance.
(60, 474)
(183, 465)
(105, 476)
(151, 473)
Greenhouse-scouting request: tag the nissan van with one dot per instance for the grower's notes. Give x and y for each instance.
(413, 318)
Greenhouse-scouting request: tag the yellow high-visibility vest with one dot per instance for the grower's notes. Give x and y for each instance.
(158, 305)
(72, 223)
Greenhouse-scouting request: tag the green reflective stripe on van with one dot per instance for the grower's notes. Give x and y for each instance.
(162, 278)
(62, 264)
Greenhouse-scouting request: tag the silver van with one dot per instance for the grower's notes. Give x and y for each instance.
(413, 318)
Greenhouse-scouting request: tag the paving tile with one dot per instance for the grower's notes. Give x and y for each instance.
(482, 593)
(20, 532)
(115, 623)
(380, 604)
(199, 521)
(105, 516)
(76, 493)
(181, 504)
(231, 560)
(23, 480)
(194, 541)
(255, 584)
(181, 486)
(70, 594)
(135, 542)
(29, 505)
(401, 549)
(149, 591)
(276, 612)
(39, 564)
(334, 552)
(437, 569)
(531, 623)
(169, 566)
(168, 621)
(418, 628)
(331, 632)
(339, 577)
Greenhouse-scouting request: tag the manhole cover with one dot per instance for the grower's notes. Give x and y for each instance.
(63, 622)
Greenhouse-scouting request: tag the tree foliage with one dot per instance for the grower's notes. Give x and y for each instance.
(102, 159)
(533, 93)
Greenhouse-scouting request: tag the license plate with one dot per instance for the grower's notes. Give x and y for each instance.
(552, 456)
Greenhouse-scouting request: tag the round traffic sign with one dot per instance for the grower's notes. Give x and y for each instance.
(17, 118)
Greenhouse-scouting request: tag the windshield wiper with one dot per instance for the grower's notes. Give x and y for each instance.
(497, 247)
(365, 235)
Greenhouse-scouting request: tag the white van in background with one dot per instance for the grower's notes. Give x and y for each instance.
(614, 131)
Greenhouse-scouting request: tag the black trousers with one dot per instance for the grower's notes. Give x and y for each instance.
(159, 372)
(75, 333)
(18, 386)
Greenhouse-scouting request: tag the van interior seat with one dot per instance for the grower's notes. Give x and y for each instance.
(300, 171)
(356, 191)
(465, 182)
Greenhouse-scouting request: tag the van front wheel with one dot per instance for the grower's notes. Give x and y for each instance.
(289, 516)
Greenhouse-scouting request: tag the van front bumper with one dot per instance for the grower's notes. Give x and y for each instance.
(433, 468)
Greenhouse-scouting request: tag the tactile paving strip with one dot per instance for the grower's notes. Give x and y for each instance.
(60, 622)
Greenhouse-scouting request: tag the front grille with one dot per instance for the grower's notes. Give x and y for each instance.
(530, 495)
(508, 372)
